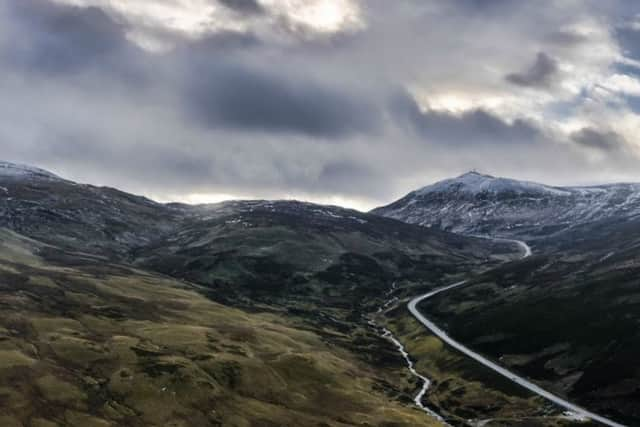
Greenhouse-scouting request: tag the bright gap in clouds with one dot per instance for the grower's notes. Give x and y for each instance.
(326, 16)
(362, 205)
(192, 17)
(195, 18)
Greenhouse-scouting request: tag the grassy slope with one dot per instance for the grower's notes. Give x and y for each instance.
(303, 258)
(84, 343)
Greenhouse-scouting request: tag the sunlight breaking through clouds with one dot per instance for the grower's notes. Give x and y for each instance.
(326, 16)
(147, 20)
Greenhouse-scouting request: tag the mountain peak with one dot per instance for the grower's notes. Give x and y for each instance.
(474, 183)
(475, 173)
(472, 178)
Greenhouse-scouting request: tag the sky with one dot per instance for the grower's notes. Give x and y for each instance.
(349, 102)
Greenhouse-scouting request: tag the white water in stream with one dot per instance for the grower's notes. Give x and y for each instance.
(426, 382)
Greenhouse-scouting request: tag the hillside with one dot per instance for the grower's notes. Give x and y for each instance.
(262, 304)
(88, 343)
(572, 319)
(81, 217)
(572, 309)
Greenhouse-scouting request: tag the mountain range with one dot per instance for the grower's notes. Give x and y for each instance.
(118, 310)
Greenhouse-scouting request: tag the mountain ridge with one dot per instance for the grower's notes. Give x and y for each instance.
(474, 182)
(10, 169)
(475, 204)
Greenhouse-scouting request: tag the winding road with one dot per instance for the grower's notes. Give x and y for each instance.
(574, 409)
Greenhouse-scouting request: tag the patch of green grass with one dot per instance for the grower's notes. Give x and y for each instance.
(14, 359)
(56, 390)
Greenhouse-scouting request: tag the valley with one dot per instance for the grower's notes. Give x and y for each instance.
(242, 313)
(249, 313)
(319, 213)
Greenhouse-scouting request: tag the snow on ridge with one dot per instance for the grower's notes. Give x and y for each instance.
(476, 183)
(474, 203)
(8, 169)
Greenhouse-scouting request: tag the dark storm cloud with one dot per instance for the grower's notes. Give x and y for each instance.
(252, 7)
(603, 140)
(239, 97)
(61, 39)
(473, 127)
(540, 74)
(218, 92)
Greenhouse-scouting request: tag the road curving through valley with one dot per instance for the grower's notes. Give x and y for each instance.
(431, 326)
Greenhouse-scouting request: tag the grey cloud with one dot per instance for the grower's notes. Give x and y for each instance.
(540, 74)
(484, 5)
(239, 97)
(218, 91)
(567, 38)
(221, 42)
(603, 140)
(491, 9)
(471, 128)
(352, 175)
(214, 168)
(244, 6)
(61, 39)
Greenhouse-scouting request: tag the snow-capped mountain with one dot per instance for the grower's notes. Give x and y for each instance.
(475, 203)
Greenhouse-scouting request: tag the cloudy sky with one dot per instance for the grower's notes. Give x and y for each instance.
(353, 102)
